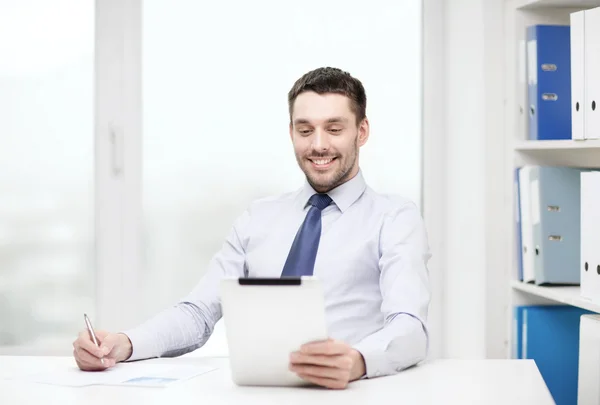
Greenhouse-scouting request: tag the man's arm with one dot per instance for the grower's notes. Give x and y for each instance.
(188, 325)
(404, 283)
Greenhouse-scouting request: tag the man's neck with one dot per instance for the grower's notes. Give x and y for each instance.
(351, 175)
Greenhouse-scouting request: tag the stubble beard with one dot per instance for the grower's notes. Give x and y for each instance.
(323, 184)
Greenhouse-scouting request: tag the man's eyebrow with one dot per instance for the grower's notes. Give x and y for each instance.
(298, 121)
(337, 119)
(331, 120)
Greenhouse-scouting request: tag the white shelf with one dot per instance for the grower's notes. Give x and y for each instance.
(585, 153)
(536, 4)
(563, 295)
(559, 145)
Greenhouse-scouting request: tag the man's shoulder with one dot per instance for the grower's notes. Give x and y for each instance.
(273, 201)
(389, 204)
(400, 219)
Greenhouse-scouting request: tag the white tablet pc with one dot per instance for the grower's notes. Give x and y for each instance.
(266, 319)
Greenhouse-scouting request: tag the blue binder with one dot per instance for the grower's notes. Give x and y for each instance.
(549, 81)
(550, 336)
(555, 199)
(517, 330)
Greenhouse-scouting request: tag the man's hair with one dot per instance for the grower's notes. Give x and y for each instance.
(331, 80)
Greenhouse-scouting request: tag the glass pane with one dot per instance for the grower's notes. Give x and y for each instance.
(46, 171)
(215, 119)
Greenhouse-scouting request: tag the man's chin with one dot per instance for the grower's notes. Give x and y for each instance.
(321, 181)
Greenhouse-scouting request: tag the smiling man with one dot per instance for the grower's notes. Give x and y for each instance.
(369, 251)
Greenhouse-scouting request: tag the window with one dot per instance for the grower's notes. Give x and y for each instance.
(47, 273)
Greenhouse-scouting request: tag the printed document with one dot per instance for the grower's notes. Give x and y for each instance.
(123, 374)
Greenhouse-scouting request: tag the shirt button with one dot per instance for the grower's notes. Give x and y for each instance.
(377, 373)
(399, 369)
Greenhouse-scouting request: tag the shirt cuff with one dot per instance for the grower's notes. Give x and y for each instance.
(373, 352)
(399, 345)
(141, 346)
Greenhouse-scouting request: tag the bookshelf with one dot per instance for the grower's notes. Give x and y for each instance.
(519, 150)
(548, 4)
(554, 295)
(563, 146)
(558, 152)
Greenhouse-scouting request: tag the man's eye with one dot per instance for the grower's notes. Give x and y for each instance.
(305, 131)
(335, 130)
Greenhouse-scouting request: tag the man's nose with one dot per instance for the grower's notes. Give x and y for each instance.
(320, 141)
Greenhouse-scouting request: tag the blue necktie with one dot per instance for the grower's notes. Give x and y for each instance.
(301, 259)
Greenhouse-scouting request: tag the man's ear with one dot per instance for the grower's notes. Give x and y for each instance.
(291, 131)
(363, 132)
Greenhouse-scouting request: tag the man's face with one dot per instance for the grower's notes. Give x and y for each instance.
(326, 139)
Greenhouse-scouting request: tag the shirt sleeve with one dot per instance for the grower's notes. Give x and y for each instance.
(187, 325)
(405, 289)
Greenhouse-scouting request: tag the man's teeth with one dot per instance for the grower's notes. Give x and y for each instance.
(322, 161)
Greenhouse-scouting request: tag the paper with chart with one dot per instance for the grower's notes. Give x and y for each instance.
(124, 374)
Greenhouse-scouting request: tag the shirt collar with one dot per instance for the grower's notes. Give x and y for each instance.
(343, 195)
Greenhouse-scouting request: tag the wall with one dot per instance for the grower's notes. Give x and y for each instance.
(434, 165)
(472, 315)
(496, 203)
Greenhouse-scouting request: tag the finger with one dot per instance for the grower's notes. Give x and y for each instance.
(108, 343)
(89, 347)
(86, 367)
(81, 365)
(325, 382)
(91, 361)
(336, 361)
(84, 342)
(320, 371)
(328, 347)
(101, 335)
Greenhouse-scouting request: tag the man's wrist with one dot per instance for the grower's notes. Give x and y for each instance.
(125, 347)
(358, 365)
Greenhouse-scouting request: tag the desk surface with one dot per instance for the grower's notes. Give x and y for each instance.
(436, 382)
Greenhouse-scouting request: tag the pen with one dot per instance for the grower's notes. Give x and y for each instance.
(90, 329)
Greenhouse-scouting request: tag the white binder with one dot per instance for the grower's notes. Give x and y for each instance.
(588, 386)
(590, 236)
(592, 73)
(528, 249)
(577, 75)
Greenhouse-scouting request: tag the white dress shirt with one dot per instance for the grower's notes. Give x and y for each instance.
(372, 262)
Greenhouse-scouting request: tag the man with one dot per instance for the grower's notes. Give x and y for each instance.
(369, 251)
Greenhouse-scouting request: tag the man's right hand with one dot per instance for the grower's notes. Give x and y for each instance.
(114, 348)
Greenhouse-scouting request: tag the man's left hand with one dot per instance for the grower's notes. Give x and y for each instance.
(329, 363)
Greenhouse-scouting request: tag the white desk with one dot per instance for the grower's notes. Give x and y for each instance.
(437, 382)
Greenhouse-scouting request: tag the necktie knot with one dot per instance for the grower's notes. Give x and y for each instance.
(320, 201)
